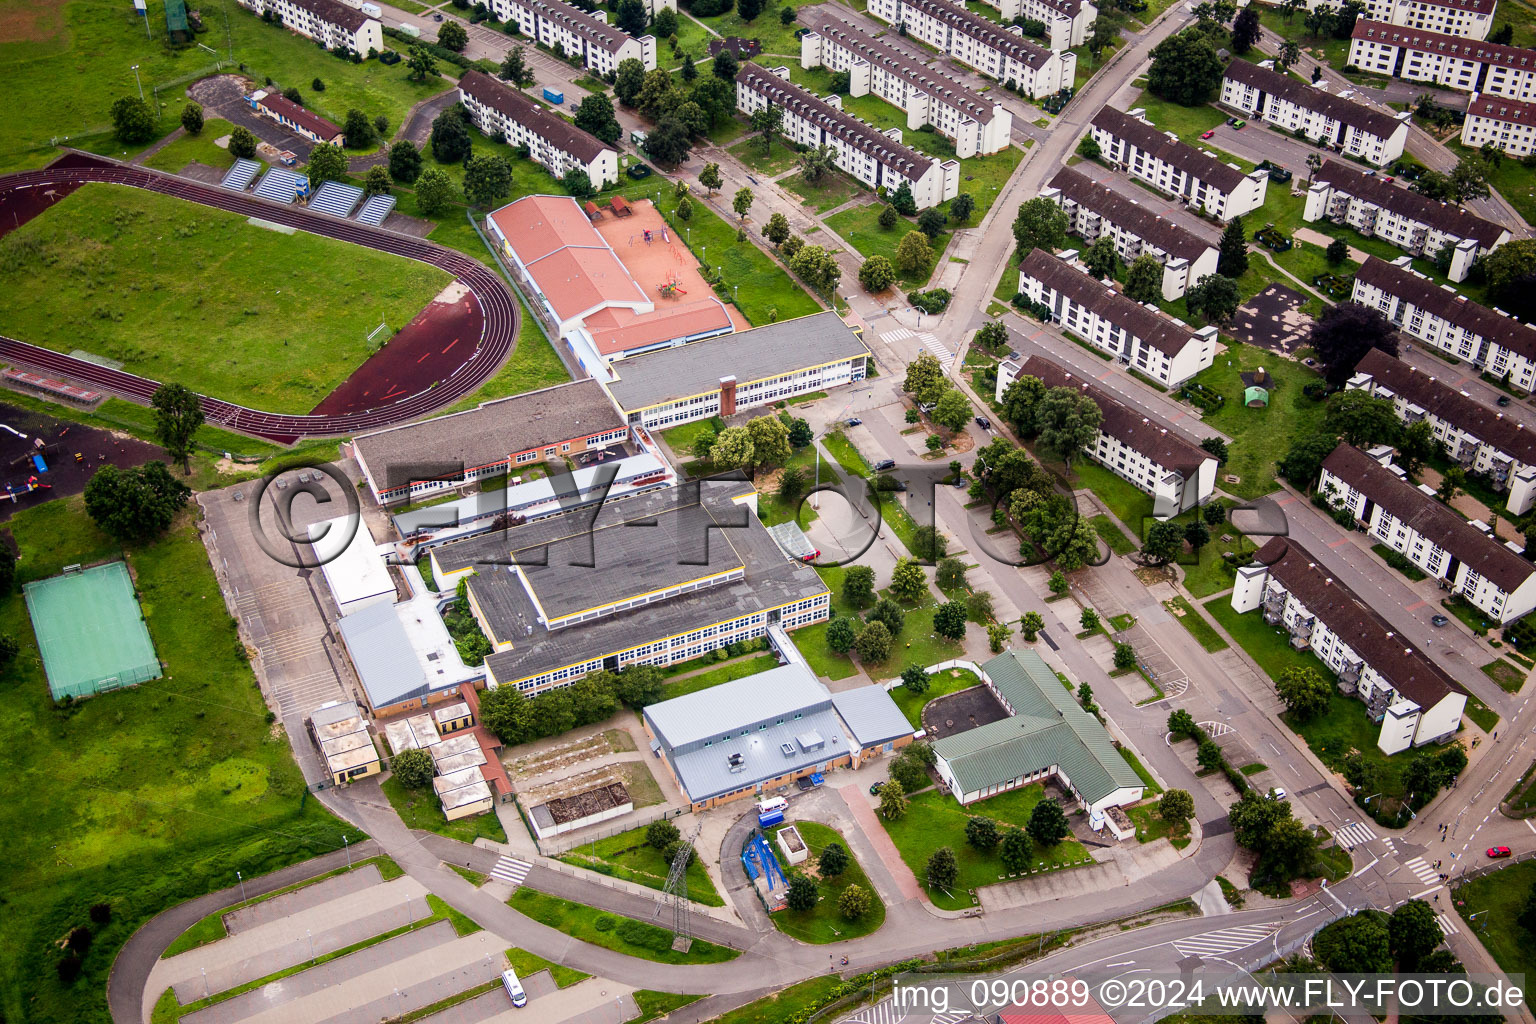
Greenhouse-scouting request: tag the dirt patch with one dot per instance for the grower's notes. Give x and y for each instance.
(34, 21)
(1151, 576)
(961, 711)
(62, 442)
(961, 442)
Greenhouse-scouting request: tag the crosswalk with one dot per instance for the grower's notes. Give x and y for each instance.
(1353, 835)
(887, 1012)
(929, 343)
(1447, 925)
(1423, 870)
(511, 870)
(1225, 941)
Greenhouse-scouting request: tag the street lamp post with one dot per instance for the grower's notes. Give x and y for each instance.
(140, 83)
(242, 886)
(346, 846)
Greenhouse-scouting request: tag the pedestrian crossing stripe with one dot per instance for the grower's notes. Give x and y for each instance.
(1447, 926)
(1225, 941)
(510, 869)
(1355, 834)
(1422, 870)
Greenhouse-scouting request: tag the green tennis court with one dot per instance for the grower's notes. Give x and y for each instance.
(90, 631)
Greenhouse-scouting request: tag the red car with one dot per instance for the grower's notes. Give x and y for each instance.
(1207, 135)
(1498, 851)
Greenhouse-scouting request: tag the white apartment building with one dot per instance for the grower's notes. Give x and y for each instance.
(1002, 53)
(1472, 19)
(1465, 557)
(1094, 210)
(1066, 21)
(1415, 224)
(1482, 439)
(1131, 142)
(1451, 62)
(1507, 125)
(1139, 336)
(976, 124)
(1414, 699)
(330, 22)
(1259, 91)
(1177, 474)
(1446, 320)
(860, 149)
(556, 23)
(552, 141)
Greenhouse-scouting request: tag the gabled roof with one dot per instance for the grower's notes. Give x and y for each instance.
(550, 127)
(1441, 44)
(924, 79)
(983, 31)
(381, 652)
(1129, 215)
(1506, 110)
(1149, 139)
(335, 12)
(1310, 97)
(282, 106)
(1451, 306)
(1103, 299)
(1423, 514)
(1390, 653)
(598, 33)
(1444, 402)
(1374, 189)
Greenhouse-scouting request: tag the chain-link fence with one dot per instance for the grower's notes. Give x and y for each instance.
(554, 846)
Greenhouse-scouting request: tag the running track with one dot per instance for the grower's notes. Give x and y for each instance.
(498, 337)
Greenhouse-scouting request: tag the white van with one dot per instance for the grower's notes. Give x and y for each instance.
(514, 988)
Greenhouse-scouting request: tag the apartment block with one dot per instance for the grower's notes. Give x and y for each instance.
(1507, 125)
(860, 149)
(1002, 53)
(1178, 474)
(555, 23)
(1416, 224)
(1066, 21)
(1447, 320)
(329, 22)
(1448, 61)
(1465, 557)
(1415, 700)
(552, 141)
(1131, 142)
(1259, 91)
(1095, 210)
(1470, 18)
(977, 125)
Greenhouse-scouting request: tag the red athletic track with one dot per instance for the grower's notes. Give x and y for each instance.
(497, 340)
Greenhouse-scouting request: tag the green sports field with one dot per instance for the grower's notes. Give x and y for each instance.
(90, 632)
(185, 293)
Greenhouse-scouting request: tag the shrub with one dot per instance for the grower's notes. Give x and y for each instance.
(661, 834)
(604, 923)
(101, 913)
(933, 302)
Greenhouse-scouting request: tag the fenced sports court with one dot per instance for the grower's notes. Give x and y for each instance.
(90, 631)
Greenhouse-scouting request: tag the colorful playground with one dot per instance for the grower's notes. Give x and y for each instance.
(659, 260)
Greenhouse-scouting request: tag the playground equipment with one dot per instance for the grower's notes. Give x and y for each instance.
(670, 288)
(14, 491)
(758, 858)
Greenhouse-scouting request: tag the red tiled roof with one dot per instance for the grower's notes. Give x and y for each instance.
(282, 107)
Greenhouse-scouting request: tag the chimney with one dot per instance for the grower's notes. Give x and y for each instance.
(728, 396)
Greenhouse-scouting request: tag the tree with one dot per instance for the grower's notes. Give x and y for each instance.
(595, 116)
(1039, 224)
(1066, 422)
(1290, 53)
(877, 274)
(1288, 8)
(890, 613)
(908, 581)
(858, 585)
(914, 680)
(380, 124)
(1452, 482)
(404, 161)
(1185, 69)
(133, 121)
(1125, 656)
(1245, 30)
(893, 801)
(630, 17)
(1413, 932)
(376, 182)
(1101, 259)
(816, 267)
(414, 768)
(777, 230)
(1144, 279)
(1181, 723)
(800, 895)
(741, 202)
(1216, 298)
(1215, 446)
(1510, 271)
(950, 574)
(932, 222)
(913, 253)
(854, 901)
(833, 860)
(1416, 444)
(961, 207)
(434, 191)
(1361, 418)
(770, 441)
(639, 685)
(668, 143)
(1470, 179)
(1164, 541)
(791, 484)
(358, 130)
(1232, 256)
(874, 643)
(732, 449)
(684, 208)
(1030, 625)
(725, 66)
(942, 869)
(1214, 514)
(949, 620)
(1048, 823)
(709, 177)
(134, 505)
(1089, 619)
(840, 635)
(1197, 534)
(628, 79)
(1337, 252)
(1358, 944)
(982, 833)
(242, 143)
(953, 410)
(422, 64)
(192, 118)
(661, 834)
(1088, 148)
(1176, 805)
(1305, 693)
(992, 335)
(997, 635)
(451, 36)
(487, 179)
(577, 183)
(766, 121)
(1014, 850)
(1305, 458)
(1208, 755)
(326, 163)
(1345, 333)
(816, 162)
(903, 202)
(888, 218)
(178, 414)
(515, 69)
(450, 136)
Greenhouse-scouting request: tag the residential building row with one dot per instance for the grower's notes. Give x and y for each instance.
(1416, 224)
(1482, 439)
(1178, 474)
(1465, 557)
(1470, 18)
(1066, 21)
(1415, 701)
(1094, 210)
(600, 46)
(1259, 91)
(552, 141)
(978, 42)
(1449, 321)
(1140, 336)
(1448, 61)
(876, 158)
(1507, 125)
(1174, 168)
(328, 22)
(929, 97)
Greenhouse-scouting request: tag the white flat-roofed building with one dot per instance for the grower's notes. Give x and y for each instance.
(1066, 21)
(1177, 473)
(553, 142)
(1259, 91)
(1506, 125)
(1416, 224)
(600, 46)
(859, 149)
(1001, 53)
(1415, 700)
(1095, 210)
(1448, 61)
(328, 22)
(928, 96)
(1200, 180)
(350, 560)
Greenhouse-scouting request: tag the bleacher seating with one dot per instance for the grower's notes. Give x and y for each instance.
(240, 176)
(280, 185)
(336, 199)
(376, 209)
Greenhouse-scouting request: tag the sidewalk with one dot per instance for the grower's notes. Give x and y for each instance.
(869, 824)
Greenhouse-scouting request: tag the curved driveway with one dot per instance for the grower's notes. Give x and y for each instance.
(497, 340)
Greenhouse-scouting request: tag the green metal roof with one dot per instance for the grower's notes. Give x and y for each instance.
(176, 15)
(1048, 727)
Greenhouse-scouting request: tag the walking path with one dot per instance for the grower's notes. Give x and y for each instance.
(906, 882)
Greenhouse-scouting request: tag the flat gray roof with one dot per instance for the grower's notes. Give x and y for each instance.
(654, 378)
(381, 652)
(871, 715)
(710, 713)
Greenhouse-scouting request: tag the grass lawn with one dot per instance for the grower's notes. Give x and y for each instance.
(144, 797)
(420, 809)
(1306, 260)
(824, 922)
(948, 681)
(1212, 573)
(1402, 564)
(1509, 678)
(1335, 52)
(1513, 180)
(1260, 437)
(824, 661)
(199, 148)
(792, 1003)
(773, 510)
(627, 856)
(1131, 759)
(779, 158)
(532, 365)
(681, 439)
(100, 270)
(830, 191)
(776, 38)
(847, 456)
(1112, 535)
(526, 963)
(1189, 123)
(1498, 898)
(724, 674)
(1130, 505)
(1268, 645)
(620, 934)
(860, 228)
(658, 1004)
(1150, 825)
(1522, 795)
(934, 820)
(1196, 624)
(1485, 717)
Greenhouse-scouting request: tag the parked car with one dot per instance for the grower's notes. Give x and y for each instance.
(1439, 620)
(855, 422)
(1277, 794)
(437, 17)
(1498, 851)
(1503, 400)
(876, 788)
(983, 423)
(884, 464)
(1207, 135)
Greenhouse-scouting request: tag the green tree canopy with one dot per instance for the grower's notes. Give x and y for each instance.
(414, 768)
(134, 505)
